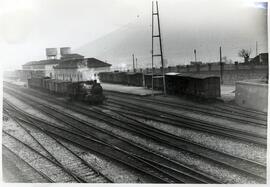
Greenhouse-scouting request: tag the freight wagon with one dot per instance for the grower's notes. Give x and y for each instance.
(120, 78)
(158, 81)
(106, 77)
(125, 78)
(134, 79)
(195, 85)
(87, 91)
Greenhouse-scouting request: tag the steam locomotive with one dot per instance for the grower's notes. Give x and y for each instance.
(86, 91)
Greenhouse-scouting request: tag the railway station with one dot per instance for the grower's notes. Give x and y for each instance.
(71, 117)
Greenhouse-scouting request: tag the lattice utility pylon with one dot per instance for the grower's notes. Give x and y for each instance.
(160, 54)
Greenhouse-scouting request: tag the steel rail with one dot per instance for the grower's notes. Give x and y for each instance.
(250, 119)
(44, 148)
(105, 149)
(243, 165)
(191, 123)
(46, 177)
(43, 156)
(228, 109)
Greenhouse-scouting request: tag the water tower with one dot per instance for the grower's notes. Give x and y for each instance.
(51, 53)
(65, 50)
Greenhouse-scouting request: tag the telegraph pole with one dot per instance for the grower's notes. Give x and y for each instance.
(136, 60)
(256, 48)
(160, 47)
(133, 63)
(221, 68)
(152, 51)
(195, 55)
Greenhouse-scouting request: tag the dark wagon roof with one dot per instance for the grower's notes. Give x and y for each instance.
(198, 76)
(192, 75)
(133, 73)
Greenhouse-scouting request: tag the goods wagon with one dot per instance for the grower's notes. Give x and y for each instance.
(120, 78)
(134, 79)
(158, 81)
(125, 78)
(106, 77)
(87, 91)
(35, 83)
(204, 86)
(174, 84)
(195, 85)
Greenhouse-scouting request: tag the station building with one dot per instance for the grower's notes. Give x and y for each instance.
(69, 66)
(42, 65)
(74, 67)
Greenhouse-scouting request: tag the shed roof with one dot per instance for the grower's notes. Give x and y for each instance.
(72, 56)
(95, 63)
(42, 62)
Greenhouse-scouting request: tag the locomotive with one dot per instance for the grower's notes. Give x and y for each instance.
(87, 91)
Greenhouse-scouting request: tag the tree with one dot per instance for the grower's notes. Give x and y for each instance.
(244, 53)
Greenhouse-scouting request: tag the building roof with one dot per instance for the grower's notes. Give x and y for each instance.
(42, 62)
(77, 63)
(72, 56)
(261, 58)
(95, 63)
(70, 64)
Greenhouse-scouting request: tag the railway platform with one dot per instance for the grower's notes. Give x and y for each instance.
(132, 90)
(227, 93)
(18, 83)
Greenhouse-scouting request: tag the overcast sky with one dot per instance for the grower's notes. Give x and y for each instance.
(27, 27)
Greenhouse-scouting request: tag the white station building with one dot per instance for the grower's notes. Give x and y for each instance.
(70, 66)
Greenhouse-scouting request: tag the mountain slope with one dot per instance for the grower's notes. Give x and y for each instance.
(179, 41)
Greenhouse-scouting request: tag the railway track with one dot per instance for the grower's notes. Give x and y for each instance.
(55, 172)
(231, 112)
(143, 153)
(238, 109)
(184, 121)
(205, 152)
(130, 107)
(137, 162)
(32, 174)
(68, 159)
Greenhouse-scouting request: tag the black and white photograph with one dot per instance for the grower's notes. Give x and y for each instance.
(134, 91)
